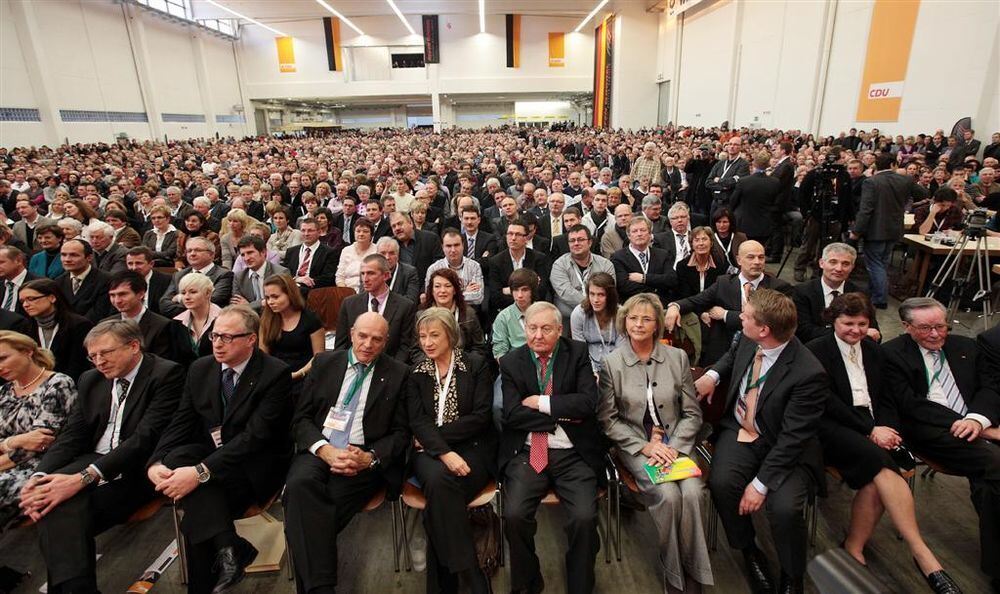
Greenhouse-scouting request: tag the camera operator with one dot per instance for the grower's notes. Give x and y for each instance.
(942, 214)
(825, 199)
(696, 169)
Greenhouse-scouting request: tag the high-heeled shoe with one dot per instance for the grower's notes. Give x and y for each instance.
(939, 581)
(844, 542)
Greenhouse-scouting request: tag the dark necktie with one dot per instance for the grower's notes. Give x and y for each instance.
(644, 259)
(123, 386)
(834, 295)
(8, 298)
(228, 387)
(255, 281)
(470, 249)
(374, 305)
(306, 261)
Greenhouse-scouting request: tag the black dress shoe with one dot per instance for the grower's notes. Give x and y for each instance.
(231, 563)
(791, 585)
(758, 573)
(941, 583)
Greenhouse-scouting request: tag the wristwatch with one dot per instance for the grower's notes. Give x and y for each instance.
(374, 461)
(86, 479)
(203, 473)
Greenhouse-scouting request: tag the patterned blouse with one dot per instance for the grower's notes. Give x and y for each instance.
(427, 366)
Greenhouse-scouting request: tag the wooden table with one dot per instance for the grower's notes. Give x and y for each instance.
(925, 249)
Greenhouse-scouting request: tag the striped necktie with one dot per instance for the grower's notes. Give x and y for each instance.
(942, 374)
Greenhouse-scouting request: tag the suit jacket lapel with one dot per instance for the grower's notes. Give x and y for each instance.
(103, 404)
(245, 385)
(775, 374)
(744, 355)
(377, 386)
(840, 376)
(137, 388)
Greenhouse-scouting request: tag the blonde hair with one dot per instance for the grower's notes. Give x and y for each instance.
(443, 317)
(196, 281)
(19, 342)
(648, 299)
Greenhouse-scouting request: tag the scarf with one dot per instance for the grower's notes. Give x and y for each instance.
(429, 367)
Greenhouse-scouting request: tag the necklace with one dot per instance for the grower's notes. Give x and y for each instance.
(21, 386)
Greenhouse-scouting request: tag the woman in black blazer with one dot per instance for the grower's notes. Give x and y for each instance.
(706, 264)
(55, 326)
(455, 448)
(165, 253)
(860, 434)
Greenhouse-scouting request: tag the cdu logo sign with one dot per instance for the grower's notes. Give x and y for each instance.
(885, 90)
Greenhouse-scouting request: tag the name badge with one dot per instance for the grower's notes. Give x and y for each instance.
(217, 436)
(337, 419)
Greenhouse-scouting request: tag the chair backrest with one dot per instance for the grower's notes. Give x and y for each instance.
(325, 303)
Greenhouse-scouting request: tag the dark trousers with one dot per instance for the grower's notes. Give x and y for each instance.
(813, 242)
(734, 466)
(576, 485)
(979, 461)
(66, 534)
(450, 545)
(207, 515)
(318, 505)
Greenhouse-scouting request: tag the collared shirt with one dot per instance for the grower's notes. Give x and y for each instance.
(357, 436)
(743, 281)
(855, 374)
(469, 272)
(138, 317)
(937, 395)
(239, 368)
(382, 298)
(160, 237)
(145, 296)
(518, 263)
(508, 330)
(770, 357)
(682, 247)
(828, 291)
(82, 276)
(636, 253)
(17, 281)
(259, 283)
(112, 432)
(558, 440)
(204, 270)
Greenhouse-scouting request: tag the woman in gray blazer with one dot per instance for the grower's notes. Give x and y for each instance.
(649, 410)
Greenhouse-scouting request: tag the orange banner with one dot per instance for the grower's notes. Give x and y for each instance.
(889, 41)
(286, 54)
(557, 50)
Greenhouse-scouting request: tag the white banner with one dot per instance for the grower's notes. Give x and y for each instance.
(885, 90)
(675, 7)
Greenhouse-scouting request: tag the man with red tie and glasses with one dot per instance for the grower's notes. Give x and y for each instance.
(551, 440)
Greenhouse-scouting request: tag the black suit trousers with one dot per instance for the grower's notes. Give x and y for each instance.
(318, 505)
(66, 535)
(979, 461)
(734, 466)
(575, 484)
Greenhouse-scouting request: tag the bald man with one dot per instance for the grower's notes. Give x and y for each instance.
(720, 305)
(351, 442)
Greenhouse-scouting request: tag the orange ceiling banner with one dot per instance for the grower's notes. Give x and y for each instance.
(557, 50)
(286, 54)
(889, 42)
(604, 42)
(331, 30)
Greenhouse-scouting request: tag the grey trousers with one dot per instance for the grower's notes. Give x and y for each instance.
(676, 511)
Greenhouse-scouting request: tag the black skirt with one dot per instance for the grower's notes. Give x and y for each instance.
(855, 457)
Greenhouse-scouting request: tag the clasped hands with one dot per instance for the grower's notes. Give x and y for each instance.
(659, 453)
(176, 483)
(348, 461)
(41, 494)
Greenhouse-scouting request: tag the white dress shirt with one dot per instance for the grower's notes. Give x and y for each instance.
(357, 436)
(936, 394)
(112, 432)
(828, 291)
(743, 281)
(855, 374)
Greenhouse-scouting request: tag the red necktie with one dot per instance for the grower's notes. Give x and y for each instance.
(538, 457)
(306, 261)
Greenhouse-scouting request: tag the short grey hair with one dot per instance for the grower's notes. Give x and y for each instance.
(539, 307)
(388, 242)
(650, 200)
(101, 227)
(70, 222)
(202, 201)
(906, 308)
(445, 318)
(247, 316)
(124, 330)
(839, 248)
(678, 207)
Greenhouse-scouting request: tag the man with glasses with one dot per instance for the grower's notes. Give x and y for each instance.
(227, 448)
(515, 257)
(946, 396)
(642, 268)
(571, 271)
(201, 260)
(93, 476)
(551, 440)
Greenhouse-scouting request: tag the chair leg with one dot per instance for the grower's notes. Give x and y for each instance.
(812, 511)
(406, 537)
(618, 522)
(713, 526)
(288, 561)
(503, 534)
(609, 526)
(395, 537)
(181, 552)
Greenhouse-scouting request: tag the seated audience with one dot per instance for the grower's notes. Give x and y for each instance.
(813, 297)
(56, 326)
(283, 236)
(571, 271)
(85, 287)
(727, 237)
(467, 269)
(706, 264)
(47, 263)
(161, 336)
(195, 226)
(162, 238)
(376, 297)
(642, 268)
(942, 214)
(593, 319)
(140, 259)
(199, 313)
(312, 264)
(289, 331)
(403, 277)
(201, 255)
(515, 257)
(444, 291)
(349, 268)
(248, 284)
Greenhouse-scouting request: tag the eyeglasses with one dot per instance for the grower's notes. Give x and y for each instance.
(32, 299)
(546, 330)
(927, 328)
(633, 319)
(95, 357)
(227, 338)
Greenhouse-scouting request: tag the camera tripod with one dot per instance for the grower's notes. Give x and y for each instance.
(950, 271)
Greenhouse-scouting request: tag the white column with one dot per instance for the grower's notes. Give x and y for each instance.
(31, 39)
(249, 113)
(204, 83)
(140, 53)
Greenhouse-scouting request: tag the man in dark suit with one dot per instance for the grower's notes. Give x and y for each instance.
(161, 336)
(248, 285)
(13, 275)
(945, 390)
(641, 268)
(226, 449)
(402, 277)
(785, 207)
(724, 300)
(351, 442)
(345, 219)
(140, 259)
(812, 297)
(15, 322)
(726, 173)
(85, 287)
(397, 310)
(93, 476)
(755, 199)
(312, 264)
(108, 256)
(879, 220)
(766, 447)
(551, 440)
(507, 261)
(479, 245)
(417, 248)
(373, 212)
(200, 256)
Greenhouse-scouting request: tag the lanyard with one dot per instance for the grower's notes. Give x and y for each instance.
(600, 335)
(580, 275)
(41, 337)
(544, 381)
(359, 379)
(756, 384)
(725, 168)
(930, 379)
(443, 389)
(724, 247)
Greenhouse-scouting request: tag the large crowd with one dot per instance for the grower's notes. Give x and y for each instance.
(328, 318)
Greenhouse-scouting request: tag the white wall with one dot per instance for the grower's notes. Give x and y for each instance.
(634, 97)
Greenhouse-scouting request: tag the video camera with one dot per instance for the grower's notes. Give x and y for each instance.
(975, 222)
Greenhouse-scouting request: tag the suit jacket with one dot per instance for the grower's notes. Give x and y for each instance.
(243, 284)
(384, 418)
(164, 337)
(157, 286)
(500, 269)
(128, 238)
(840, 402)
(254, 427)
(399, 312)
(322, 266)
(611, 241)
(728, 176)
(20, 232)
(383, 229)
(573, 404)
(485, 247)
(789, 407)
(784, 172)
(152, 400)
(18, 308)
(660, 275)
(754, 202)
(112, 260)
(426, 248)
(809, 302)
(906, 373)
(883, 199)
(339, 222)
(223, 291)
(67, 345)
(623, 405)
(406, 283)
(166, 255)
(91, 300)
(15, 322)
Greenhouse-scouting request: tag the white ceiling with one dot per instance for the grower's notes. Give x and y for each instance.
(284, 10)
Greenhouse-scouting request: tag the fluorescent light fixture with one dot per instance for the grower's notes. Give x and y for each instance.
(599, 6)
(401, 17)
(482, 16)
(244, 17)
(340, 16)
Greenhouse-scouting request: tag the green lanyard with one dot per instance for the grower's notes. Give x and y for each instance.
(756, 384)
(544, 381)
(359, 379)
(934, 378)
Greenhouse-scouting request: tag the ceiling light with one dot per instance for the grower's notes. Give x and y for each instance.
(340, 16)
(482, 16)
(401, 17)
(599, 6)
(244, 17)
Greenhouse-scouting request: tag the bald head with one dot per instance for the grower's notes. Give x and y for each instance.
(751, 259)
(368, 336)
